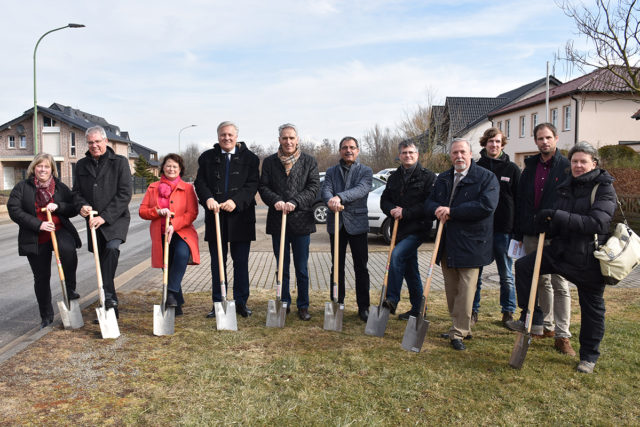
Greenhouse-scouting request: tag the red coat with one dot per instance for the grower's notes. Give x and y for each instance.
(184, 204)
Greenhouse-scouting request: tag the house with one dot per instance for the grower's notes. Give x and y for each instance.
(595, 107)
(467, 117)
(60, 133)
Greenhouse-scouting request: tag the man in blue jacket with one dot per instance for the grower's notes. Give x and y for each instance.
(463, 199)
(348, 184)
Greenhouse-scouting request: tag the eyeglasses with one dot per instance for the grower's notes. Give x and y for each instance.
(408, 153)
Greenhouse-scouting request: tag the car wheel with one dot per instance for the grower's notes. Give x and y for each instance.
(386, 230)
(320, 212)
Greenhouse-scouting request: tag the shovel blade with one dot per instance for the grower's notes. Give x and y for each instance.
(523, 340)
(414, 333)
(72, 317)
(163, 322)
(333, 313)
(276, 313)
(226, 319)
(377, 321)
(108, 323)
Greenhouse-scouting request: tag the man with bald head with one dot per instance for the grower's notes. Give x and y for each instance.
(463, 199)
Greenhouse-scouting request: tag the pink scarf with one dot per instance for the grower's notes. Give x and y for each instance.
(165, 189)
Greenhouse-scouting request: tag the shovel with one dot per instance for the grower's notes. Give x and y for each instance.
(379, 316)
(417, 327)
(106, 318)
(164, 317)
(277, 309)
(523, 339)
(333, 311)
(69, 309)
(226, 309)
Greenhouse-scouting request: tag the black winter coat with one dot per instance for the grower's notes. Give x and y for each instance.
(300, 188)
(525, 210)
(410, 196)
(108, 192)
(22, 210)
(575, 222)
(508, 174)
(239, 225)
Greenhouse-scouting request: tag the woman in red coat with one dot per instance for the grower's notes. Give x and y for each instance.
(172, 194)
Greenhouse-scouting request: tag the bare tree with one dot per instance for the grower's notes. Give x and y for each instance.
(380, 148)
(612, 31)
(190, 156)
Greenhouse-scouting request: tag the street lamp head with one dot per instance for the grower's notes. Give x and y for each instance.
(75, 25)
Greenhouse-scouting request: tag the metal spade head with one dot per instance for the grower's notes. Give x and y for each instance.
(414, 333)
(333, 313)
(72, 316)
(377, 321)
(226, 315)
(108, 322)
(276, 313)
(163, 320)
(519, 353)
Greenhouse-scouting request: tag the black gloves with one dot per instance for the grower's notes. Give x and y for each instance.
(542, 220)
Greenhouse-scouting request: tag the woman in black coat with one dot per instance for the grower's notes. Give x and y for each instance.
(572, 225)
(43, 189)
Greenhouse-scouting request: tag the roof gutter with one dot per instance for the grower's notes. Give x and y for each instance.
(575, 139)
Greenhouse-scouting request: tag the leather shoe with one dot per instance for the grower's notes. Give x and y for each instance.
(405, 316)
(506, 317)
(243, 311)
(446, 336)
(97, 322)
(212, 313)
(110, 303)
(458, 345)
(303, 314)
(390, 305)
(72, 294)
(46, 322)
(178, 310)
(288, 309)
(171, 300)
(364, 314)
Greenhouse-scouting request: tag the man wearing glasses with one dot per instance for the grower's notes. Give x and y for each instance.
(348, 184)
(403, 199)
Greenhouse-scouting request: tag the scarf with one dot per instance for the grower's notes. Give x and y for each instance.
(165, 189)
(288, 161)
(44, 192)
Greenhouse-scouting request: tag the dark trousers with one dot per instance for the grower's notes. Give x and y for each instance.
(179, 254)
(240, 257)
(360, 255)
(590, 296)
(109, 253)
(41, 267)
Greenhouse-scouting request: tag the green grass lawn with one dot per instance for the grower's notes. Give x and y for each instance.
(303, 375)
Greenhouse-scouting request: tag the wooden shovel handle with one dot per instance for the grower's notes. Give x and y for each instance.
(283, 230)
(165, 261)
(336, 246)
(434, 256)
(534, 283)
(54, 242)
(219, 243)
(96, 257)
(393, 244)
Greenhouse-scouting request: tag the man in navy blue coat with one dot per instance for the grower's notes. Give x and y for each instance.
(348, 184)
(463, 199)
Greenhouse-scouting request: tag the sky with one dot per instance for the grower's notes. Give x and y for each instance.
(333, 68)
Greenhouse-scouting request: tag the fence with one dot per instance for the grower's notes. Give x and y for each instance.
(139, 184)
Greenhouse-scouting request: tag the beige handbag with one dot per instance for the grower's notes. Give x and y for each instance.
(621, 254)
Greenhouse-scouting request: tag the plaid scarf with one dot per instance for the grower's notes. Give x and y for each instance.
(288, 161)
(44, 192)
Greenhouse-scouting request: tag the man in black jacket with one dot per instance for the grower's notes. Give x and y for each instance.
(289, 184)
(542, 174)
(227, 182)
(103, 184)
(403, 199)
(508, 173)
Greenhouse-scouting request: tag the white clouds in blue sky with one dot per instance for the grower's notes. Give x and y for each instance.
(332, 67)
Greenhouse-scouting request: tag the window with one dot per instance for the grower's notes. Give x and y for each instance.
(73, 173)
(534, 121)
(48, 121)
(566, 117)
(11, 141)
(500, 125)
(507, 128)
(23, 141)
(554, 117)
(72, 144)
(522, 122)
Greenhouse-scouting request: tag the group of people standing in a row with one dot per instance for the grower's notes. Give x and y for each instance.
(483, 205)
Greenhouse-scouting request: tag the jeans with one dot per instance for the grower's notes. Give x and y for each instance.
(179, 254)
(299, 244)
(360, 255)
(240, 256)
(504, 264)
(404, 264)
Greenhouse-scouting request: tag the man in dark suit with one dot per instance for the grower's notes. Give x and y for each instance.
(403, 199)
(463, 199)
(103, 184)
(227, 182)
(348, 184)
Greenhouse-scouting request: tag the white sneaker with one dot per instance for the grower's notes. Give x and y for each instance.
(586, 367)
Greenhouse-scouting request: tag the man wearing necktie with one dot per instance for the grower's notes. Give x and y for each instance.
(227, 183)
(463, 199)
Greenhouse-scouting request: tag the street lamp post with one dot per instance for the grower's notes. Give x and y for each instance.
(186, 127)
(35, 101)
